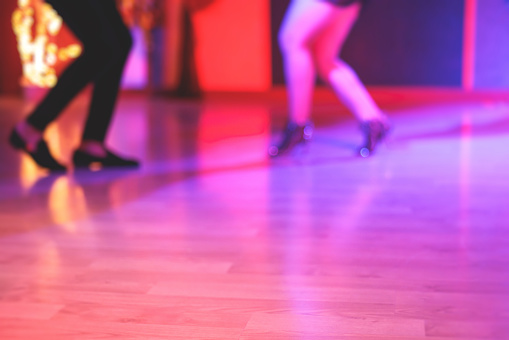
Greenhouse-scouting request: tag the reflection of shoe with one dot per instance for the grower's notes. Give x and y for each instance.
(83, 159)
(40, 155)
(293, 135)
(374, 132)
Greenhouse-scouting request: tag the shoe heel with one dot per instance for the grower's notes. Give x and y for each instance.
(375, 132)
(294, 137)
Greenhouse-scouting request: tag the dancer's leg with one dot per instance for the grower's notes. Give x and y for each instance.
(336, 72)
(106, 85)
(304, 21)
(80, 17)
(344, 80)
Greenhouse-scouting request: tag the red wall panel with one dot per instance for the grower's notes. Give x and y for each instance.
(233, 50)
(10, 66)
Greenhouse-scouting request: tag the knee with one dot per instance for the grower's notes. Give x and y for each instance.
(118, 45)
(108, 49)
(124, 43)
(289, 40)
(324, 66)
(94, 52)
(326, 61)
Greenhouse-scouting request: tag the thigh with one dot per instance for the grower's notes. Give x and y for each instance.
(305, 20)
(111, 21)
(81, 18)
(332, 37)
(96, 23)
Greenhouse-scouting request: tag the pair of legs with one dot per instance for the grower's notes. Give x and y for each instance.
(106, 44)
(311, 37)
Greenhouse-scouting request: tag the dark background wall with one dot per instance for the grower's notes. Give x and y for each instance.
(398, 42)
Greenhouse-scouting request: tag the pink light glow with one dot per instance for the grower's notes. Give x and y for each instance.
(136, 70)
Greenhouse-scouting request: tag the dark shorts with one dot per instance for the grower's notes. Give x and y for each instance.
(344, 3)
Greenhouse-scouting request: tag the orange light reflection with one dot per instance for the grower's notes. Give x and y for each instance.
(67, 203)
(29, 172)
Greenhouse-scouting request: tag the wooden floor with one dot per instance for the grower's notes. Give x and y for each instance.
(210, 240)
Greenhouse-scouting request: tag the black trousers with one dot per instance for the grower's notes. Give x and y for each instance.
(107, 42)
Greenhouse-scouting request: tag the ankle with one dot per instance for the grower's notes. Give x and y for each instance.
(373, 115)
(298, 122)
(30, 135)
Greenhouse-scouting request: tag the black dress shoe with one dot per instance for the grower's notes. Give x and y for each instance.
(374, 132)
(84, 159)
(293, 135)
(40, 155)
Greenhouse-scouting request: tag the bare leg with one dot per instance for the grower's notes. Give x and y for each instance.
(312, 35)
(337, 73)
(344, 80)
(304, 21)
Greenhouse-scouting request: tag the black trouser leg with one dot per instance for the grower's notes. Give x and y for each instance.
(106, 85)
(106, 43)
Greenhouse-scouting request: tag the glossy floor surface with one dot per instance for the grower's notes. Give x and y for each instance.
(210, 240)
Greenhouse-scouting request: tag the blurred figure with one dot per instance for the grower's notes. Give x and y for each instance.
(187, 84)
(311, 36)
(106, 43)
